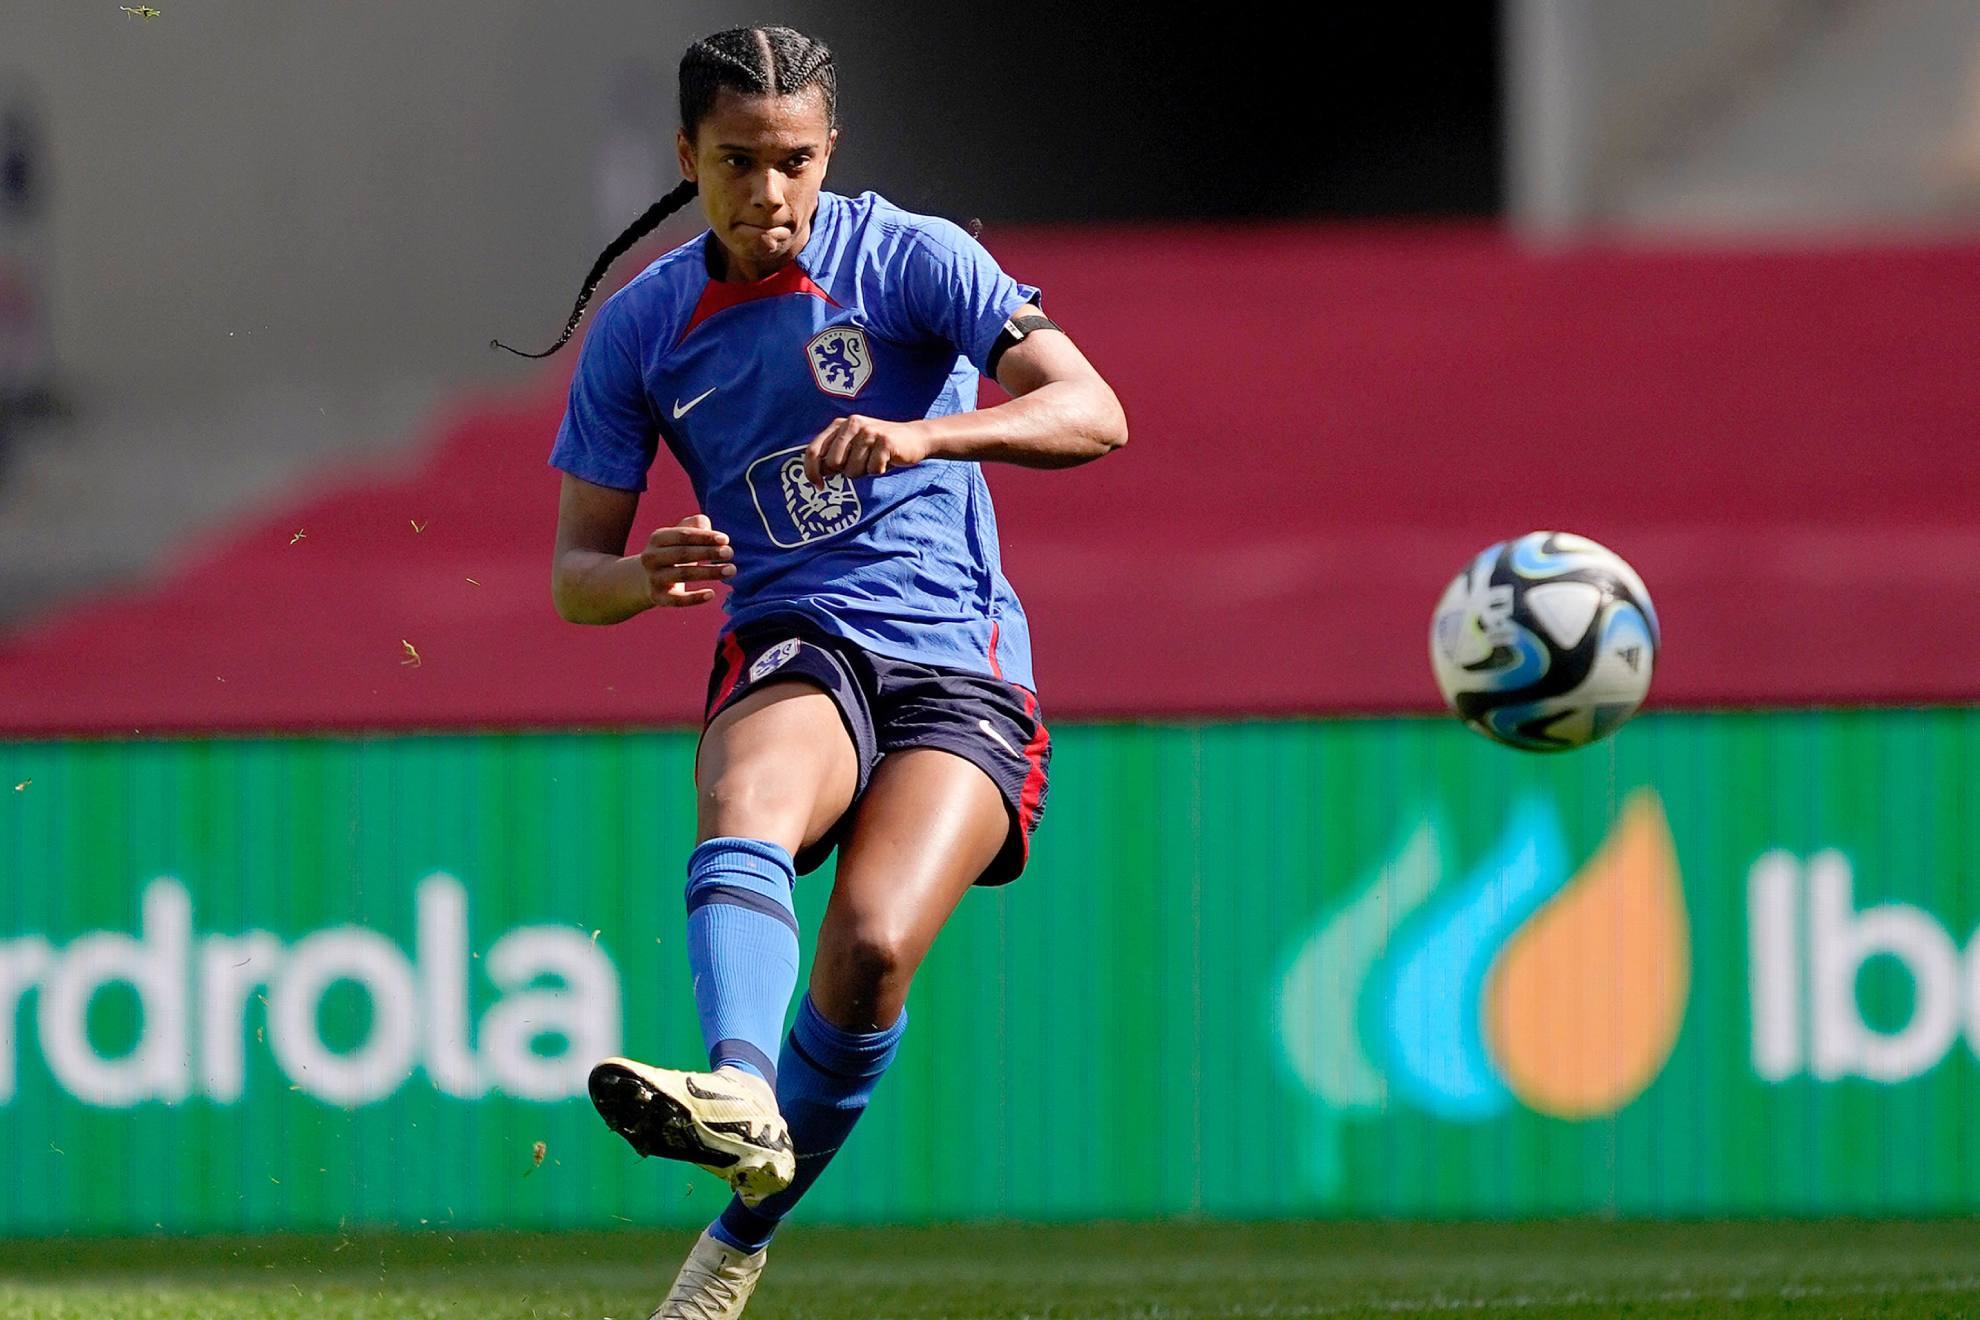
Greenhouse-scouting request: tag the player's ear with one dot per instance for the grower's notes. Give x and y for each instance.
(684, 150)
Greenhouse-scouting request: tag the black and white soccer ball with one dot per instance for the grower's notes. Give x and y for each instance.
(1545, 643)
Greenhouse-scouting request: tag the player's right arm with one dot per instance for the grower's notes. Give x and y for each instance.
(604, 448)
(593, 580)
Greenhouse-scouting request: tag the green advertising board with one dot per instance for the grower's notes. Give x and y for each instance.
(1718, 966)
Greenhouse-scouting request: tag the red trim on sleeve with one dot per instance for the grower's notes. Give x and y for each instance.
(721, 295)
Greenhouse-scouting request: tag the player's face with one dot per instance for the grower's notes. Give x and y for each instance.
(759, 161)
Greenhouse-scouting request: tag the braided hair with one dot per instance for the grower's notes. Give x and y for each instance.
(756, 61)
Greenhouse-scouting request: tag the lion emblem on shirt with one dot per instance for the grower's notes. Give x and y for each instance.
(841, 360)
(794, 508)
(817, 510)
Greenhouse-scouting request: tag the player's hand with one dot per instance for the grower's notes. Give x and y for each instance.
(863, 447)
(691, 551)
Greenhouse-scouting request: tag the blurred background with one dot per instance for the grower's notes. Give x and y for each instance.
(283, 689)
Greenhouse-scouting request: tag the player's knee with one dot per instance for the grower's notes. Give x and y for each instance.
(751, 802)
(878, 956)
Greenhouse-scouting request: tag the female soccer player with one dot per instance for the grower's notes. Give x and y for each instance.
(811, 361)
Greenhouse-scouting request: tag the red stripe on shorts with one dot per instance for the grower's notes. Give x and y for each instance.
(732, 656)
(1035, 749)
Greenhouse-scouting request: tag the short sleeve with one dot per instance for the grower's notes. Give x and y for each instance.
(608, 435)
(956, 292)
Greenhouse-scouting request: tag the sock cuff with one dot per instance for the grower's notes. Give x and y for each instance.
(833, 1049)
(752, 864)
(736, 1052)
(742, 1229)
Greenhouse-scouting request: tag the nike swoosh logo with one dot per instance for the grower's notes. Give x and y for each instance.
(990, 729)
(763, 1138)
(700, 1094)
(682, 409)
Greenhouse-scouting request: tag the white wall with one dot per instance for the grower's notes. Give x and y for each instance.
(1761, 116)
(247, 190)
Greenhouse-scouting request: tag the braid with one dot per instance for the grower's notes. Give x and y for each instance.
(758, 61)
(648, 221)
(767, 61)
(801, 67)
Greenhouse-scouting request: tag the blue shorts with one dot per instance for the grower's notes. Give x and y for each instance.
(890, 705)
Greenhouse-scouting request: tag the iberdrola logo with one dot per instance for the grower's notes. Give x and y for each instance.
(1523, 981)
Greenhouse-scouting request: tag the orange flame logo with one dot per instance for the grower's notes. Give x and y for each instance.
(1583, 1004)
(1520, 981)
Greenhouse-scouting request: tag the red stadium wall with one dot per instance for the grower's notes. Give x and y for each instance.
(1326, 423)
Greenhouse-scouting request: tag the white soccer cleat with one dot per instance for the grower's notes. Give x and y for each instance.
(714, 1284)
(726, 1121)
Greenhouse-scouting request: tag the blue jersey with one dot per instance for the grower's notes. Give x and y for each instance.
(883, 313)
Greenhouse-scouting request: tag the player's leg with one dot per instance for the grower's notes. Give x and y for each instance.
(920, 840)
(776, 772)
(927, 827)
(776, 765)
(777, 769)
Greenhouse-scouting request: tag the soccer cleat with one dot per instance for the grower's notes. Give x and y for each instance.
(726, 1121)
(714, 1283)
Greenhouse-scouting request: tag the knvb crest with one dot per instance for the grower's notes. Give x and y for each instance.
(773, 659)
(841, 362)
(794, 508)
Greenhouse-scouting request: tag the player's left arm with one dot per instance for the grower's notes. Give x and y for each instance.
(1061, 413)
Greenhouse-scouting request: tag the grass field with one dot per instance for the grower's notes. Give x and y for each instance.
(1158, 1272)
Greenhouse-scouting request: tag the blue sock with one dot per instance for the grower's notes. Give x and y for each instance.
(742, 940)
(825, 1077)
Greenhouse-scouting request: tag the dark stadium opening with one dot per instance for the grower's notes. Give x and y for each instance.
(1100, 113)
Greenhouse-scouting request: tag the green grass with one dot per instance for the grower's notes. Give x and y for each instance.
(1155, 1272)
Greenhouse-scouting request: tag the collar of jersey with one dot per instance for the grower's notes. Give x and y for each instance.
(793, 277)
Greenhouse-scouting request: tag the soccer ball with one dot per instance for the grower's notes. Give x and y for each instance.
(1545, 643)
